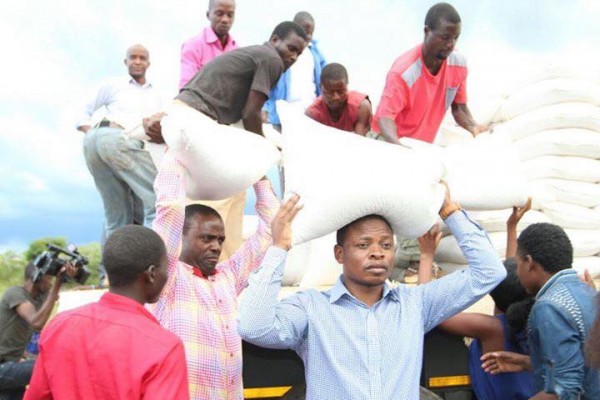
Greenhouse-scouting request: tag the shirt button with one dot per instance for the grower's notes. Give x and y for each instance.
(231, 354)
(220, 301)
(226, 326)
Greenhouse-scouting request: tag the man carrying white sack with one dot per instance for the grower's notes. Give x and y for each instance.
(199, 300)
(348, 336)
(425, 81)
(233, 87)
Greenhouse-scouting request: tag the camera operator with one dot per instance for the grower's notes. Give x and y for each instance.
(23, 310)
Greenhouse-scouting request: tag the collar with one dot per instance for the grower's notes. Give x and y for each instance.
(339, 289)
(211, 37)
(559, 275)
(125, 303)
(133, 82)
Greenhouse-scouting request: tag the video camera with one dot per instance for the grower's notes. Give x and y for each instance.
(49, 263)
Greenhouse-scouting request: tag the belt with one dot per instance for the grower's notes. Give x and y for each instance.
(108, 124)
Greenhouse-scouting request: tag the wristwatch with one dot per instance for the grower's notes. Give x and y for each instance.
(449, 209)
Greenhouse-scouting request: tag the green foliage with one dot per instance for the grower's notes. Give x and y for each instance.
(92, 252)
(39, 246)
(12, 267)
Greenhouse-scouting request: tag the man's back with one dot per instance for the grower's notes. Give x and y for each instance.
(112, 349)
(225, 82)
(558, 327)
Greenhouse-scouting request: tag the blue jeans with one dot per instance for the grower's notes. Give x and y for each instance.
(124, 175)
(14, 376)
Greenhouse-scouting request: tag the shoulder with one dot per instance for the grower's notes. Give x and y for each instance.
(15, 293)
(357, 98)
(196, 39)
(408, 67)
(457, 59)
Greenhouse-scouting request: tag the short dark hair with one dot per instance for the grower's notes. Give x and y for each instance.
(441, 11)
(30, 271)
(548, 245)
(334, 72)
(197, 209)
(510, 290)
(302, 16)
(285, 28)
(341, 233)
(129, 251)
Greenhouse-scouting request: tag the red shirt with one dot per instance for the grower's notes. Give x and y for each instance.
(319, 112)
(112, 349)
(415, 99)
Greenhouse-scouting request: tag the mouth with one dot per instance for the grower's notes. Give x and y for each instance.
(377, 269)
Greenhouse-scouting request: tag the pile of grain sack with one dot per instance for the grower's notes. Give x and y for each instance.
(553, 121)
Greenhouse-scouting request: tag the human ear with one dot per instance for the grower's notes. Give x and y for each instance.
(338, 253)
(150, 273)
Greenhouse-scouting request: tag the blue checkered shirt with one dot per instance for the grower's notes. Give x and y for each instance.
(351, 351)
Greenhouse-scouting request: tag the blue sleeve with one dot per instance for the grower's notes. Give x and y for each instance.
(451, 294)
(558, 342)
(262, 319)
(279, 92)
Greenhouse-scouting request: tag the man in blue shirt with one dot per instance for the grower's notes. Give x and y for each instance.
(302, 82)
(562, 316)
(362, 339)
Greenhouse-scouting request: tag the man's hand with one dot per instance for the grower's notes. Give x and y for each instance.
(429, 242)
(517, 214)
(480, 128)
(505, 361)
(152, 127)
(281, 227)
(84, 128)
(587, 279)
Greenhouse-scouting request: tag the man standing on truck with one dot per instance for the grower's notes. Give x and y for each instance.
(122, 169)
(425, 81)
(213, 41)
(362, 339)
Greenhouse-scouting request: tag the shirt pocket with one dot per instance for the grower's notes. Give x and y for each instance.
(450, 95)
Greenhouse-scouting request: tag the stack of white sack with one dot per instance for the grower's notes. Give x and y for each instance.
(554, 123)
(341, 176)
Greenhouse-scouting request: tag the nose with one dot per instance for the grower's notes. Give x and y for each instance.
(451, 43)
(293, 56)
(376, 252)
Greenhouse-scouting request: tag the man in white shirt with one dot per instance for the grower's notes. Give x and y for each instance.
(122, 169)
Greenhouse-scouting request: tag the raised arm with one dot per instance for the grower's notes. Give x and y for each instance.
(486, 328)
(249, 256)
(170, 206)
(428, 242)
(453, 293)
(365, 113)
(262, 319)
(511, 228)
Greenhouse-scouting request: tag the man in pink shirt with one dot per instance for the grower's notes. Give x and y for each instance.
(213, 41)
(425, 81)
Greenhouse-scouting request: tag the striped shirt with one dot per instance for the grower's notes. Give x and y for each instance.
(203, 311)
(351, 351)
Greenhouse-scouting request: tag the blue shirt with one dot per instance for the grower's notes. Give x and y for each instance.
(510, 385)
(351, 351)
(282, 90)
(558, 326)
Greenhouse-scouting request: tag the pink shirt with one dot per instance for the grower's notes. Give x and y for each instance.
(203, 311)
(112, 349)
(320, 113)
(415, 99)
(196, 52)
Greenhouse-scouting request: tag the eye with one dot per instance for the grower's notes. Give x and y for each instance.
(387, 246)
(362, 245)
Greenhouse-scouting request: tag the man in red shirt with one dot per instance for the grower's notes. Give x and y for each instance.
(115, 349)
(339, 108)
(425, 81)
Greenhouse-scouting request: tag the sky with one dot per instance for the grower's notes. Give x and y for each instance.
(55, 54)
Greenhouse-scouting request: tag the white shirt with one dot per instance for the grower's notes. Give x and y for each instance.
(126, 102)
(302, 80)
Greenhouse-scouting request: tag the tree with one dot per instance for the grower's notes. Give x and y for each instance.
(38, 246)
(12, 267)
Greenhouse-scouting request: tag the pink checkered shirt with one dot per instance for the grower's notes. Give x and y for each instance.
(203, 312)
